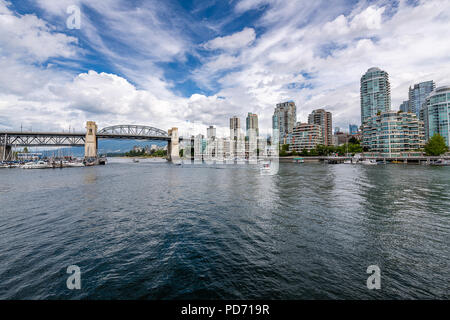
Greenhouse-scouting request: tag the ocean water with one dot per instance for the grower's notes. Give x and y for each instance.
(152, 230)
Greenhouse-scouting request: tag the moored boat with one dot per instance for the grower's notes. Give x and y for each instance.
(36, 165)
(369, 162)
(441, 162)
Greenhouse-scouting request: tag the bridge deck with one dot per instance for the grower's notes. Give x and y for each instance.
(57, 139)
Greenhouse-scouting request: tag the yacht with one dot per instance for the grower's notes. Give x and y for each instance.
(441, 162)
(73, 164)
(36, 165)
(369, 162)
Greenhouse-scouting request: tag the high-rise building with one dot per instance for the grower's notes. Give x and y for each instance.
(252, 123)
(436, 114)
(393, 132)
(305, 136)
(284, 119)
(324, 120)
(375, 93)
(404, 107)
(235, 127)
(417, 95)
(210, 132)
(352, 129)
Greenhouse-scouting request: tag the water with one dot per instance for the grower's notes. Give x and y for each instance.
(157, 231)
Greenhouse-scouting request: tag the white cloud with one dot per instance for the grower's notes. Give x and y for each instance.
(335, 49)
(245, 5)
(232, 42)
(311, 52)
(28, 37)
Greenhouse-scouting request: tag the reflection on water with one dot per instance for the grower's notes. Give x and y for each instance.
(157, 231)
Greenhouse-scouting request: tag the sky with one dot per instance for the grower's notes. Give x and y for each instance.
(191, 64)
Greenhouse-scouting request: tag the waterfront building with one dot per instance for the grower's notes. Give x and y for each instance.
(417, 95)
(341, 138)
(199, 148)
(324, 120)
(252, 123)
(375, 93)
(393, 132)
(284, 119)
(210, 132)
(404, 107)
(436, 114)
(305, 136)
(235, 127)
(353, 129)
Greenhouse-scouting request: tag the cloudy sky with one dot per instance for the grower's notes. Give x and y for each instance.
(196, 63)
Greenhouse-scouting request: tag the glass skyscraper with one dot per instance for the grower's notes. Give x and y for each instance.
(436, 114)
(404, 107)
(375, 93)
(352, 129)
(417, 95)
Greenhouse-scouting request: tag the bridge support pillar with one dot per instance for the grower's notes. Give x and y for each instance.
(90, 146)
(173, 146)
(5, 152)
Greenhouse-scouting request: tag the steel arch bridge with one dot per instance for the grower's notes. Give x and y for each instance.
(67, 139)
(133, 130)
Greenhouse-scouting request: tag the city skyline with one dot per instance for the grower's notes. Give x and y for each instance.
(199, 73)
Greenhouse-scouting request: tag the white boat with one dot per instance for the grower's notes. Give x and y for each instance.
(348, 162)
(369, 162)
(73, 164)
(441, 162)
(36, 165)
(135, 160)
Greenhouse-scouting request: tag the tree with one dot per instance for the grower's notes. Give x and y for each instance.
(25, 150)
(322, 150)
(284, 150)
(436, 145)
(304, 152)
(353, 140)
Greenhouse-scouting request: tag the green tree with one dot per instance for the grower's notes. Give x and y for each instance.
(304, 152)
(355, 148)
(353, 140)
(25, 150)
(436, 146)
(284, 150)
(322, 150)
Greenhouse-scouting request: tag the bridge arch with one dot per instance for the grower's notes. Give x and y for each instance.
(134, 130)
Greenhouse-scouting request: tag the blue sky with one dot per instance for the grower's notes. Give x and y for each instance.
(196, 63)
